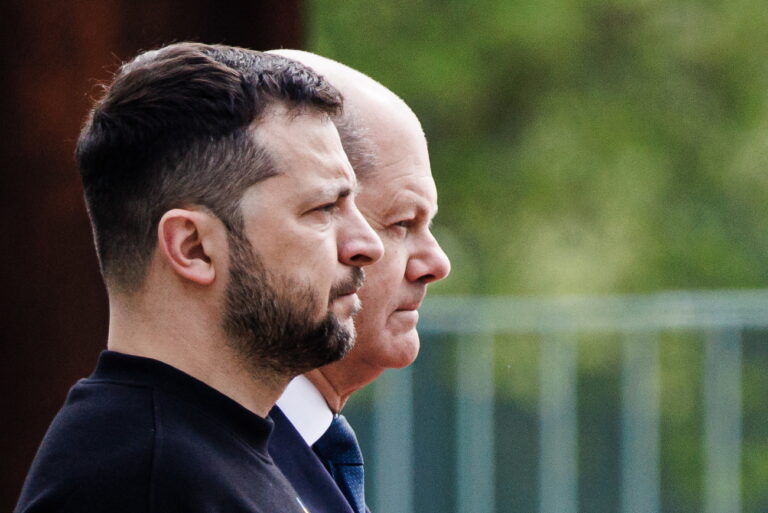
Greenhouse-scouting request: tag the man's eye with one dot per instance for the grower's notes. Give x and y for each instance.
(400, 228)
(327, 208)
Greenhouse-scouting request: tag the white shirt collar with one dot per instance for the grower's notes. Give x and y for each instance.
(306, 408)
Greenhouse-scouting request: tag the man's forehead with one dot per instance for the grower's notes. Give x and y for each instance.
(279, 123)
(335, 187)
(392, 193)
(287, 137)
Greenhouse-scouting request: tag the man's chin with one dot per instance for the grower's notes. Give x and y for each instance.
(345, 307)
(402, 349)
(344, 343)
(338, 342)
(348, 325)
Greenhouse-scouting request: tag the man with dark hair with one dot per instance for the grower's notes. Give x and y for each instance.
(223, 212)
(312, 442)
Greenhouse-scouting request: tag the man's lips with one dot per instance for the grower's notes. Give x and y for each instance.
(407, 315)
(349, 286)
(411, 306)
(349, 292)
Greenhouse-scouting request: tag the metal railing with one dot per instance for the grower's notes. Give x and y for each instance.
(720, 318)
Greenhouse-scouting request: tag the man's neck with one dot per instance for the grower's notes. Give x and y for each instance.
(339, 380)
(195, 349)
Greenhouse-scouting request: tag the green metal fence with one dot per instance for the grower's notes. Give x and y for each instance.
(506, 410)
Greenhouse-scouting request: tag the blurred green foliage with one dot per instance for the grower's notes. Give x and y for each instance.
(590, 147)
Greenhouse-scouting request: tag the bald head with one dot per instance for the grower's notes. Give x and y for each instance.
(374, 118)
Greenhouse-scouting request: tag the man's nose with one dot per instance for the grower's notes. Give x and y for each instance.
(429, 263)
(358, 243)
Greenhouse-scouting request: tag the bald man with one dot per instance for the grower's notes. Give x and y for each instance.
(388, 151)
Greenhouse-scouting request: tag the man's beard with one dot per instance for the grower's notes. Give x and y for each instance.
(269, 319)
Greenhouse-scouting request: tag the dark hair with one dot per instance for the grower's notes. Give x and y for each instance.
(172, 129)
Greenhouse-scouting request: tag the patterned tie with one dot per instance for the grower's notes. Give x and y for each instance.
(339, 451)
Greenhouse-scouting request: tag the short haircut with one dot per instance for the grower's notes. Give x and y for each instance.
(173, 129)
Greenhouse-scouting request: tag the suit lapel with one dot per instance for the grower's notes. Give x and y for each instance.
(303, 468)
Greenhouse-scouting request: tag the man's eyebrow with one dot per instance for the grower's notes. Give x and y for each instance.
(333, 191)
(431, 218)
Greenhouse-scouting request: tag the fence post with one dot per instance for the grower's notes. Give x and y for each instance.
(475, 469)
(393, 441)
(722, 421)
(640, 424)
(559, 431)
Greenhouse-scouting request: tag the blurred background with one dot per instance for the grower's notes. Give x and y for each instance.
(602, 342)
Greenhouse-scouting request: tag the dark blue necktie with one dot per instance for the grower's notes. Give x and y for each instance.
(341, 455)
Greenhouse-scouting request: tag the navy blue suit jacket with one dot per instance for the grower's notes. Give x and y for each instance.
(303, 468)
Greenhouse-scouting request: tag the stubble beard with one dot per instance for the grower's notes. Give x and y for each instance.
(268, 319)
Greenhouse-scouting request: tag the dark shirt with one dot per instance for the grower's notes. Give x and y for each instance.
(141, 436)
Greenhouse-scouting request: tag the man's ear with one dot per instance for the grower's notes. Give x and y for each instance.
(187, 240)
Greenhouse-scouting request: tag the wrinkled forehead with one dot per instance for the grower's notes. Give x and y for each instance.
(302, 140)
